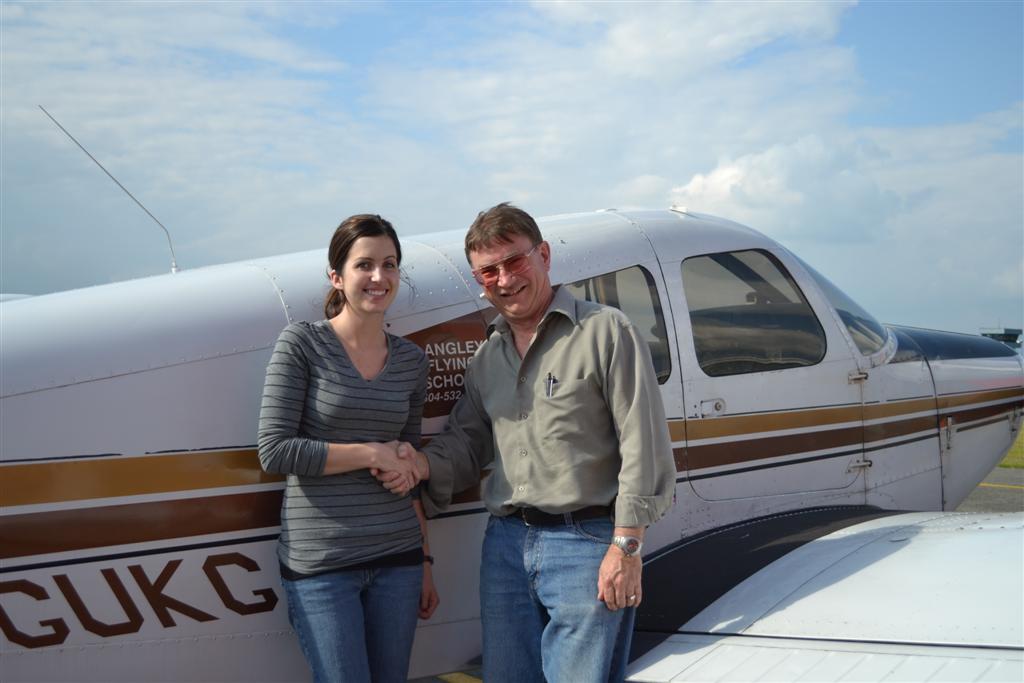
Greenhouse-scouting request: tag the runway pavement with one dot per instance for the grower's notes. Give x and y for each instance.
(1002, 491)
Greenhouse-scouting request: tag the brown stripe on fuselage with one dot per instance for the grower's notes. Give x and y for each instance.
(715, 427)
(879, 411)
(60, 481)
(733, 452)
(59, 531)
(70, 480)
(961, 416)
(954, 401)
(890, 430)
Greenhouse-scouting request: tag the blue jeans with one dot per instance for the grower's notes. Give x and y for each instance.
(542, 620)
(356, 625)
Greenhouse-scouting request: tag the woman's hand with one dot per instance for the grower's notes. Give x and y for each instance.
(394, 481)
(385, 461)
(429, 599)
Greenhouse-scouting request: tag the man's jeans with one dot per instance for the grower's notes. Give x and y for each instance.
(357, 625)
(542, 620)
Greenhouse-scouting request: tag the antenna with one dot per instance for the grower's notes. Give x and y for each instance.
(174, 263)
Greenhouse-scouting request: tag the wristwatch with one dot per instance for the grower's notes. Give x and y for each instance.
(629, 545)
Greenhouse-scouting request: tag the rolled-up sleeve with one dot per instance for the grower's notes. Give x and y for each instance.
(647, 476)
(458, 455)
(281, 449)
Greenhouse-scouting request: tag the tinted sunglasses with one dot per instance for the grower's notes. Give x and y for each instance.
(515, 264)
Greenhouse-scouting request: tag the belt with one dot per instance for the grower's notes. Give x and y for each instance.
(535, 517)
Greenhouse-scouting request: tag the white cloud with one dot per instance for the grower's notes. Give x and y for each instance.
(804, 188)
(247, 140)
(673, 41)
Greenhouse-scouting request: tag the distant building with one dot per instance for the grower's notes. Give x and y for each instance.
(1008, 335)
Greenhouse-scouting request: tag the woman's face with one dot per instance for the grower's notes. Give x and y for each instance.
(369, 278)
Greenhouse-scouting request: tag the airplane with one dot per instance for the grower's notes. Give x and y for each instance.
(138, 530)
(844, 593)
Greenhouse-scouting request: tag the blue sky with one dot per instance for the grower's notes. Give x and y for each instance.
(882, 142)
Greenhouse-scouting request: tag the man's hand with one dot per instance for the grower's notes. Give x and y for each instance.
(416, 461)
(618, 580)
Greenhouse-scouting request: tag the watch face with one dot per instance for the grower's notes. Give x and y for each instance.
(629, 544)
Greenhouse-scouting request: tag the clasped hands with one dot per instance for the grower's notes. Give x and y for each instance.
(399, 467)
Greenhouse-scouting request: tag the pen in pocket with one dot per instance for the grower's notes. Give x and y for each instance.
(551, 381)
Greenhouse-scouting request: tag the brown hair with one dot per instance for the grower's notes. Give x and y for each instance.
(498, 224)
(350, 230)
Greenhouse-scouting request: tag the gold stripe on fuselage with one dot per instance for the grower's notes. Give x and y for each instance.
(59, 481)
(124, 522)
(66, 480)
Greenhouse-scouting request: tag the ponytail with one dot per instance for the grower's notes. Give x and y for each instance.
(334, 302)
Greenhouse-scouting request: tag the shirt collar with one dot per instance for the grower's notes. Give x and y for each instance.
(562, 303)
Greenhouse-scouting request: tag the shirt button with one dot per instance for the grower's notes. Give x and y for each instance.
(522, 416)
(522, 451)
(522, 379)
(522, 488)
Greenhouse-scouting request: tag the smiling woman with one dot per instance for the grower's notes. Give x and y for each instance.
(340, 395)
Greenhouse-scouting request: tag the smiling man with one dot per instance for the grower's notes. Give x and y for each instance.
(562, 402)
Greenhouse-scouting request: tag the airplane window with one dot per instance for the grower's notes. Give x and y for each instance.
(633, 292)
(748, 315)
(868, 334)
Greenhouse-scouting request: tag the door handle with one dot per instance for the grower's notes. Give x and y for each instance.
(712, 407)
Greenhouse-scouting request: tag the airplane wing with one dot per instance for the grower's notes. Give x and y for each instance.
(838, 594)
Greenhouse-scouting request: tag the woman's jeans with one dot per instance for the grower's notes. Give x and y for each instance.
(356, 625)
(542, 620)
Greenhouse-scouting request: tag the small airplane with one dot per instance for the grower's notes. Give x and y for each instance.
(138, 530)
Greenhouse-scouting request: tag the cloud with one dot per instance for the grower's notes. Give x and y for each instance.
(807, 187)
(253, 128)
(675, 41)
(914, 222)
(552, 105)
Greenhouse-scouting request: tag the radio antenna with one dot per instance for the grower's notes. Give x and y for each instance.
(174, 263)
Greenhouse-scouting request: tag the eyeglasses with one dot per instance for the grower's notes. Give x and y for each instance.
(515, 264)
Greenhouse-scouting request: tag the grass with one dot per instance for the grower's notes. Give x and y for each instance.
(1015, 458)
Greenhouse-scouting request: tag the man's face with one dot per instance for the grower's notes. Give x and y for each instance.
(521, 297)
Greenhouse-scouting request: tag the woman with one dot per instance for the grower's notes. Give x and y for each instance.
(341, 394)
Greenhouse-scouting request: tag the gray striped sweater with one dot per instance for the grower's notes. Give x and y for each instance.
(313, 396)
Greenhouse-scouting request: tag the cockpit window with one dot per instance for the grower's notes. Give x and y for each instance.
(633, 292)
(867, 333)
(748, 315)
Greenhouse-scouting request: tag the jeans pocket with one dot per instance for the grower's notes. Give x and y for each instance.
(596, 530)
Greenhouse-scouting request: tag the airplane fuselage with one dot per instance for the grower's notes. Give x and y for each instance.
(135, 516)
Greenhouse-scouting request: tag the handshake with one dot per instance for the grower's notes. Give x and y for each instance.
(399, 467)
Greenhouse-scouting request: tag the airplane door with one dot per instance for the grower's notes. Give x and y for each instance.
(773, 404)
(901, 466)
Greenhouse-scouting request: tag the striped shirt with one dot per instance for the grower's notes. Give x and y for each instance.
(313, 396)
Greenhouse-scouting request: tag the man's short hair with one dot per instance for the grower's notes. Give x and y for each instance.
(499, 224)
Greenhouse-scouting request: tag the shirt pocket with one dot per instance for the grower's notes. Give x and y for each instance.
(566, 415)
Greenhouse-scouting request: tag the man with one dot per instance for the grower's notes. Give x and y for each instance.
(562, 402)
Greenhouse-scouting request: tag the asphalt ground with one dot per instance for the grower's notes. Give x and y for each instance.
(1002, 491)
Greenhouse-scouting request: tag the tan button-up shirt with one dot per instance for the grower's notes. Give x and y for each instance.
(576, 422)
